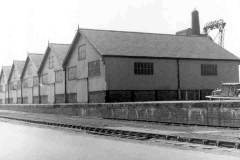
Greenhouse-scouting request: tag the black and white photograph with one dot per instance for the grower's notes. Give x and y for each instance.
(119, 80)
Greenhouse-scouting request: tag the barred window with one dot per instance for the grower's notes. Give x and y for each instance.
(59, 76)
(72, 72)
(208, 69)
(35, 80)
(44, 78)
(82, 52)
(143, 68)
(94, 68)
(50, 62)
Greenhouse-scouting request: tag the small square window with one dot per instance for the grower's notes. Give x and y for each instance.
(35, 80)
(94, 68)
(44, 78)
(143, 68)
(58, 76)
(208, 69)
(72, 72)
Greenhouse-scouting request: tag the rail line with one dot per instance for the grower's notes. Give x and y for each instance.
(132, 134)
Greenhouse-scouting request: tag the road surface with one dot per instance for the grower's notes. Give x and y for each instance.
(29, 142)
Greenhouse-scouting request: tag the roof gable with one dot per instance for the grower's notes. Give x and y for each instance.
(120, 43)
(72, 46)
(59, 50)
(5, 70)
(18, 66)
(35, 58)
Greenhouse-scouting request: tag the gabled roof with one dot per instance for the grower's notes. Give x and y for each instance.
(19, 67)
(35, 58)
(6, 70)
(154, 45)
(60, 51)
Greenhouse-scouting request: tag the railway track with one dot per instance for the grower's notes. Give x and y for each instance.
(132, 134)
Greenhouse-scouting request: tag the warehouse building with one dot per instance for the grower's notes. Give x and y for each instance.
(3, 84)
(29, 78)
(112, 66)
(51, 74)
(14, 82)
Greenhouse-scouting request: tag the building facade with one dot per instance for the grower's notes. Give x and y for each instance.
(3, 84)
(113, 66)
(29, 79)
(14, 83)
(51, 74)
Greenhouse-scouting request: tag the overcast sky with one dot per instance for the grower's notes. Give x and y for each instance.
(27, 25)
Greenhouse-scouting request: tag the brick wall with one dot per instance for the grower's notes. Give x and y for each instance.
(59, 98)
(97, 97)
(213, 113)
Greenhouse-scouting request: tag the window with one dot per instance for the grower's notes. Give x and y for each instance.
(72, 71)
(94, 68)
(208, 69)
(12, 86)
(35, 80)
(143, 68)
(82, 52)
(19, 84)
(59, 76)
(45, 78)
(50, 62)
(29, 69)
(25, 83)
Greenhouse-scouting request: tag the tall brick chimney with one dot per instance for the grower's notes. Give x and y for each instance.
(195, 23)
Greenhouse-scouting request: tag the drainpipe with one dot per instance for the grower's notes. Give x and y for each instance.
(87, 90)
(8, 94)
(39, 88)
(65, 85)
(54, 88)
(21, 92)
(32, 93)
(178, 80)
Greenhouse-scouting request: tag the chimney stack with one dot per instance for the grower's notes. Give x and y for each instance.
(195, 23)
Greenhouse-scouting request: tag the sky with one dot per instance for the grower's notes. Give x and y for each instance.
(27, 26)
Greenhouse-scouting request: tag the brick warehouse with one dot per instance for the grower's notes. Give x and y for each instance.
(3, 84)
(14, 82)
(115, 66)
(51, 74)
(111, 66)
(29, 78)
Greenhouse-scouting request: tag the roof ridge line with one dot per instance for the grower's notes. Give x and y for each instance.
(198, 36)
(35, 54)
(60, 43)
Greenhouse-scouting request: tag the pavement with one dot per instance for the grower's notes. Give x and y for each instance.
(197, 132)
(20, 141)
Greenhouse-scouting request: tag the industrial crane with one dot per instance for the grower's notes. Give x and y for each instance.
(219, 25)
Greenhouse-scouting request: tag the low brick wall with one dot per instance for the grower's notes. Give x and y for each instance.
(213, 113)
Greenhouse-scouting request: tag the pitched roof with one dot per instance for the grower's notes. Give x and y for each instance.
(137, 44)
(6, 70)
(36, 59)
(60, 50)
(19, 67)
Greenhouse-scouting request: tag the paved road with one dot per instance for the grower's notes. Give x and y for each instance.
(23, 142)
